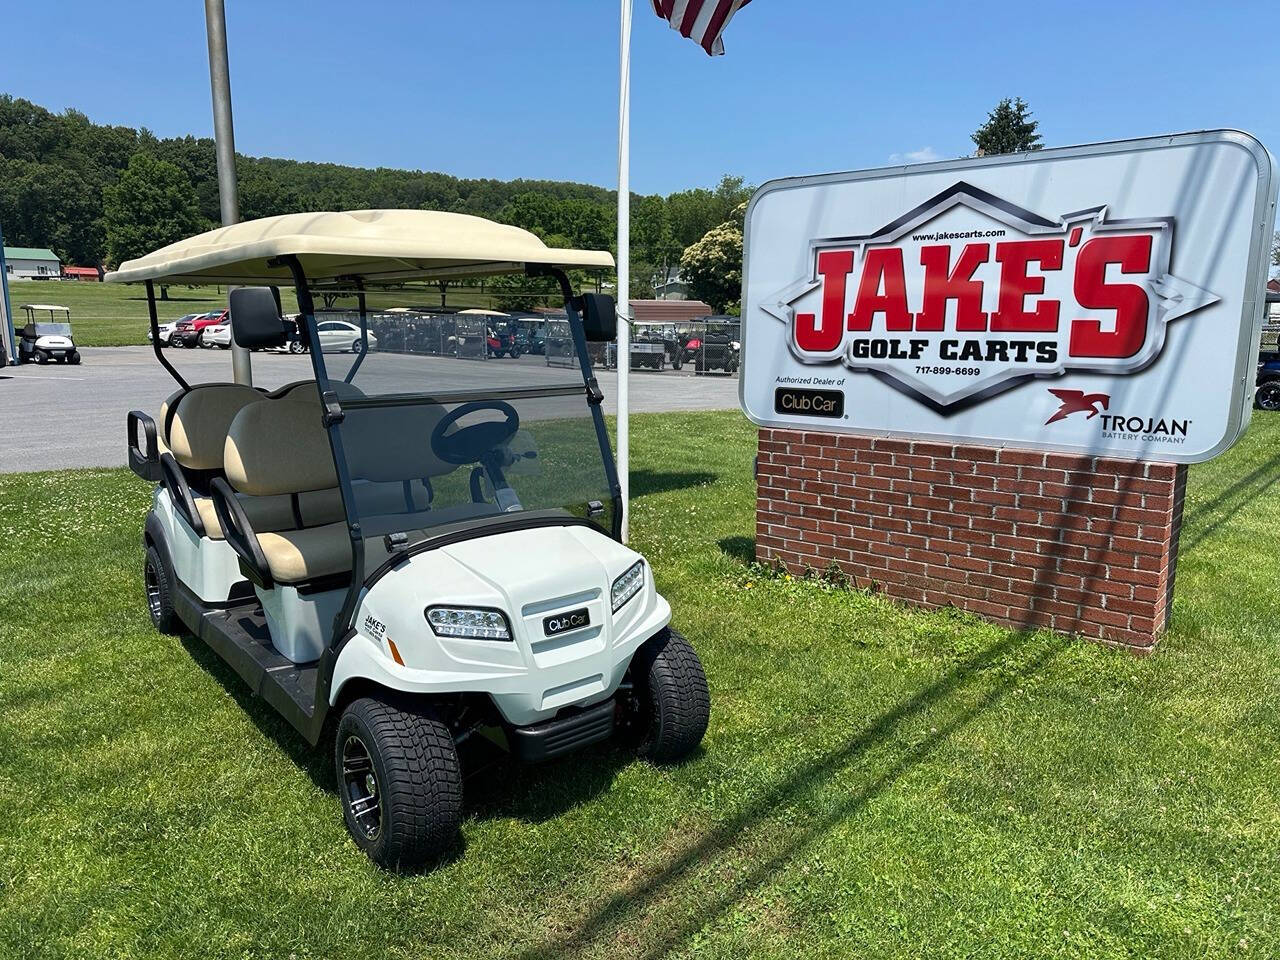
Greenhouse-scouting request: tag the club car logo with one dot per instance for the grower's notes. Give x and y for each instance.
(968, 294)
(563, 622)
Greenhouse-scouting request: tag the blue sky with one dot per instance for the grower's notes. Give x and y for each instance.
(518, 88)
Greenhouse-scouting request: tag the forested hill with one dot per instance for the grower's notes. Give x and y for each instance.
(100, 194)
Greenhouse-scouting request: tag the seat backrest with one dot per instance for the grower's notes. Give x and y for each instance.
(393, 444)
(196, 421)
(278, 447)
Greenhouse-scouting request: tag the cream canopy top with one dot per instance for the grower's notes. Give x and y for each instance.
(390, 245)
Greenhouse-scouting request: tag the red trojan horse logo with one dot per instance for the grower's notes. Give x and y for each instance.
(1077, 401)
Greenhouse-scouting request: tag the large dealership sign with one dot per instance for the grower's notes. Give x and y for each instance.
(1104, 299)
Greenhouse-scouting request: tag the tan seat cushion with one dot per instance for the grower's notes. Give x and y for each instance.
(197, 429)
(297, 555)
(280, 446)
(267, 514)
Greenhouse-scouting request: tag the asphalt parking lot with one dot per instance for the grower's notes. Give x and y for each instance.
(60, 417)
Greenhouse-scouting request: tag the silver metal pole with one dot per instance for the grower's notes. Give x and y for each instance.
(224, 141)
(624, 268)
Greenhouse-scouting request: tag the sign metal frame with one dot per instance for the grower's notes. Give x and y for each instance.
(1247, 333)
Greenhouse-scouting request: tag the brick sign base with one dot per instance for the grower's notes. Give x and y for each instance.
(1082, 545)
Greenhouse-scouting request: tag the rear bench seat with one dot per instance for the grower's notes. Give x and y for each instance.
(194, 426)
(279, 451)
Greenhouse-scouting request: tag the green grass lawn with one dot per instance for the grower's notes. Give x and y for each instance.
(111, 315)
(115, 315)
(876, 781)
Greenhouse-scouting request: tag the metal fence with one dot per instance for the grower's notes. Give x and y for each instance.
(711, 345)
(403, 330)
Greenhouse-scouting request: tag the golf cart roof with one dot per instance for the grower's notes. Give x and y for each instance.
(377, 245)
(44, 306)
(480, 311)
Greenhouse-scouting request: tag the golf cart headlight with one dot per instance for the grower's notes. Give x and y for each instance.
(628, 585)
(475, 623)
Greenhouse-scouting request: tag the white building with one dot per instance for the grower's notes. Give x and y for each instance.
(31, 263)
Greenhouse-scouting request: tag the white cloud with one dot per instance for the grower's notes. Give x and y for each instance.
(923, 155)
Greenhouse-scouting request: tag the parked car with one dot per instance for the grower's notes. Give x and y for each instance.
(166, 329)
(340, 336)
(294, 341)
(186, 333)
(1267, 395)
(217, 335)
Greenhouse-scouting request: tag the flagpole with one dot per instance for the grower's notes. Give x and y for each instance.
(624, 266)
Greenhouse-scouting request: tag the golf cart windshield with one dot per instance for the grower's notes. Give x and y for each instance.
(52, 329)
(443, 426)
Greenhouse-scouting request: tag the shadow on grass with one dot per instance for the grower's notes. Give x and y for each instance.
(316, 762)
(636, 899)
(647, 482)
(498, 787)
(742, 549)
(174, 299)
(495, 786)
(1230, 501)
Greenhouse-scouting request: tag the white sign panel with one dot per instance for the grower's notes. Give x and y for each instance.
(1104, 299)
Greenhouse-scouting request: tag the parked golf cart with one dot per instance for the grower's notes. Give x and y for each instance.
(651, 349)
(530, 335)
(714, 344)
(500, 339)
(44, 340)
(1267, 395)
(672, 343)
(415, 548)
(501, 343)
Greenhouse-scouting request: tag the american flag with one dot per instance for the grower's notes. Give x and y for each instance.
(702, 21)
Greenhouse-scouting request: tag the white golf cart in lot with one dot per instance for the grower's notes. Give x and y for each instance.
(418, 547)
(43, 340)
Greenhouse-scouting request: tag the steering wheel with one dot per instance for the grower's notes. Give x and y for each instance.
(470, 444)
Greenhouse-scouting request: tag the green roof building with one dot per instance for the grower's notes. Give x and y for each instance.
(31, 263)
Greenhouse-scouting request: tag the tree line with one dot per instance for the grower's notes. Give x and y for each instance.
(99, 194)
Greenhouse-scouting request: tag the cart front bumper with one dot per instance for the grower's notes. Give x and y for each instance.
(560, 735)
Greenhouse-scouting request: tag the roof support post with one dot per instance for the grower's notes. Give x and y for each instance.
(624, 267)
(215, 18)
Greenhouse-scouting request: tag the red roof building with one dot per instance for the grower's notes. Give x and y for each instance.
(669, 311)
(82, 273)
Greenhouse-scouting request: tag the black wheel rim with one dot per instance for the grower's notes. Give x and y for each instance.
(1269, 399)
(152, 583)
(360, 788)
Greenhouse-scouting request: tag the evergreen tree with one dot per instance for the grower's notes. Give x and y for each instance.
(1009, 129)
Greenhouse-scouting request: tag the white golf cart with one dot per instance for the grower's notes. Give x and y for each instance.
(420, 547)
(44, 340)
